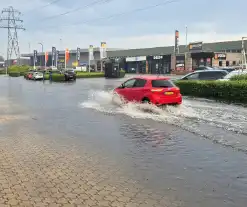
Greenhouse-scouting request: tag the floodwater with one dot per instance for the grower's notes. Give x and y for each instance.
(195, 153)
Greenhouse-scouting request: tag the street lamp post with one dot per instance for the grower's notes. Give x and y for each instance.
(243, 54)
(186, 35)
(42, 50)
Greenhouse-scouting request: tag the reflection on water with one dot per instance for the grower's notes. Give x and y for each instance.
(176, 164)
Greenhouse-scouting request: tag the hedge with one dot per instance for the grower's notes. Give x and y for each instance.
(229, 91)
(239, 77)
(14, 74)
(2, 72)
(89, 75)
(56, 77)
(18, 68)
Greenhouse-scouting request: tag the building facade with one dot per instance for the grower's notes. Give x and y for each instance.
(162, 60)
(219, 54)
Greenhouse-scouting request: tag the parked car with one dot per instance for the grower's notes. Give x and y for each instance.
(29, 75)
(156, 90)
(228, 69)
(205, 75)
(37, 76)
(233, 73)
(69, 75)
(203, 68)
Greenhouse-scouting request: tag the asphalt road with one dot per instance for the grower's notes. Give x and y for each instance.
(67, 144)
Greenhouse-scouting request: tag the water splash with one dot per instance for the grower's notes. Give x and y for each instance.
(222, 123)
(199, 111)
(109, 102)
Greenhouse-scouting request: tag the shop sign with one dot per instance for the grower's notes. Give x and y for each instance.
(195, 46)
(157, 57)
(61, 58)
(220, 56)
(134, 59)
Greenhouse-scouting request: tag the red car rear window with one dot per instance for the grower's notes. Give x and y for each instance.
(162, 84)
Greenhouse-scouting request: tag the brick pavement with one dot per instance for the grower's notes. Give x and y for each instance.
(39, 172)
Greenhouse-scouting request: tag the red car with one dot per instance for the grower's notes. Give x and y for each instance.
(156, 90)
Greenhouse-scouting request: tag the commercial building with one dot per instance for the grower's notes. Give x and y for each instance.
(163, 60)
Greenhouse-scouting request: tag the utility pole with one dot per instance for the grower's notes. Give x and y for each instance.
(186, 35)
(186, 48)
(12, 19)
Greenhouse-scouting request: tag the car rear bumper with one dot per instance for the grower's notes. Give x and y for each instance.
(167, 100)
(70, 77)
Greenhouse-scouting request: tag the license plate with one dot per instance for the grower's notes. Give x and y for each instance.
(169, 93)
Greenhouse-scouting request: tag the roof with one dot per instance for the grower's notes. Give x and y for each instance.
(207, 47)
(116, 52)
(205, 71)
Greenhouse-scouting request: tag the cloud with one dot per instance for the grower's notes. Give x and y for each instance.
(207, 21)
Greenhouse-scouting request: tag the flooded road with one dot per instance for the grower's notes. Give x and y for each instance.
(195, 155)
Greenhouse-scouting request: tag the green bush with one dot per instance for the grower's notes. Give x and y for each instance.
(46, 76)
(57, 77)
(239, 77)
(89, 75)
(18, 68)
(122, 73)
(229, 91)
(2, 72)
(14, 74)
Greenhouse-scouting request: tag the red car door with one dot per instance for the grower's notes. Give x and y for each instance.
(139, 90)
(125, 90)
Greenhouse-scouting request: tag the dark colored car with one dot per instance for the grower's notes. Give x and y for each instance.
(205, 75)
(69, 75)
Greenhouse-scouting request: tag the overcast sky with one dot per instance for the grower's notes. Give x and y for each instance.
(207, 21)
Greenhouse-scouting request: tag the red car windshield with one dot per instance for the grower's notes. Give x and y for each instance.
(162, 84)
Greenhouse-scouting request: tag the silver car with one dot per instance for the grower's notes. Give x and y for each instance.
(233, 73)
(38, 76)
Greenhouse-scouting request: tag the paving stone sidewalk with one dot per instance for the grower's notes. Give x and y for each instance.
(37, 172)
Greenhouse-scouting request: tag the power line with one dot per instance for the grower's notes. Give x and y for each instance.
(120, 14)
(77, 9)
(12, 25)
(46, 5)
